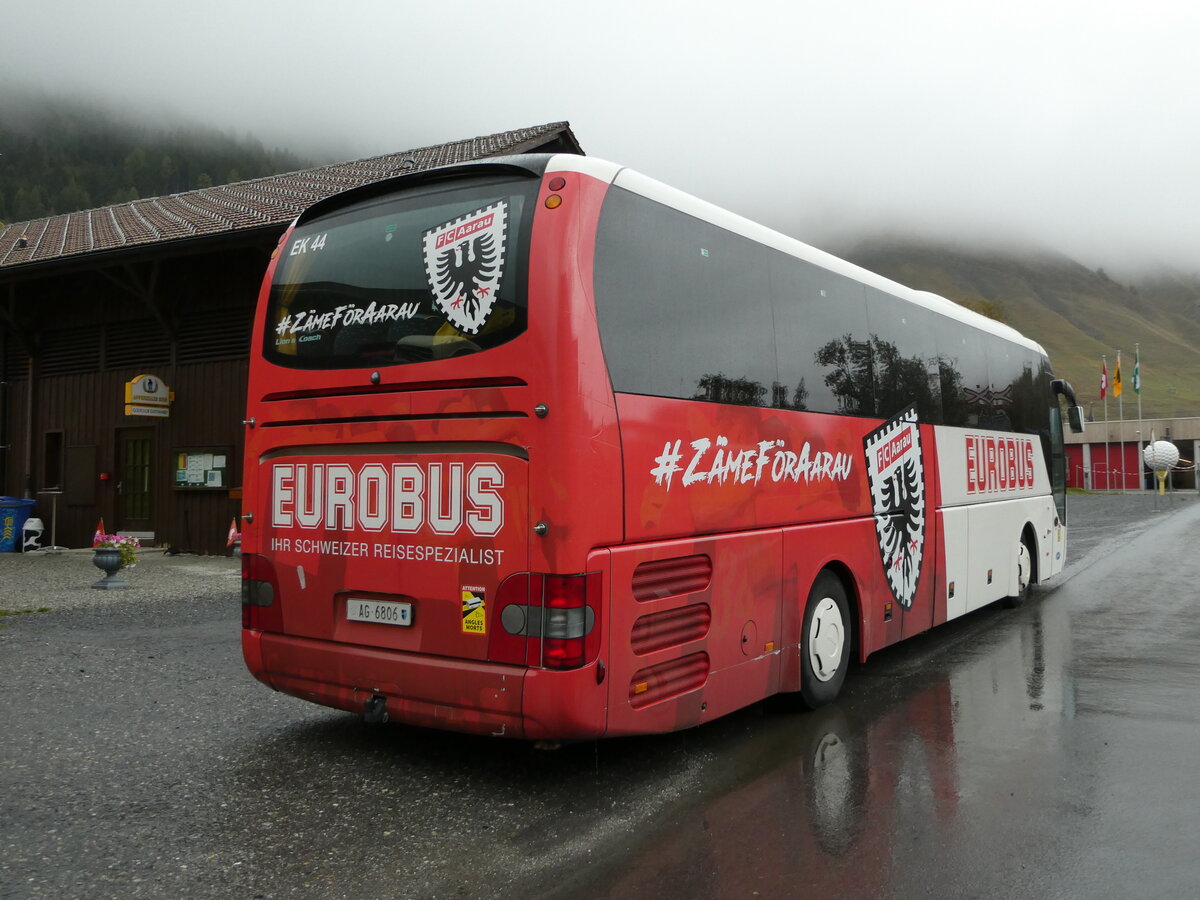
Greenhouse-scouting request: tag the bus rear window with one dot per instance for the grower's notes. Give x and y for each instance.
(418, 275)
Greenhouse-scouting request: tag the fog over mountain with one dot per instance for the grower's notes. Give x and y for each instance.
(1067, 124)
(61, 155)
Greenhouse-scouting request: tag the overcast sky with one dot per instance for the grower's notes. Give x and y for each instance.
(1074, 124)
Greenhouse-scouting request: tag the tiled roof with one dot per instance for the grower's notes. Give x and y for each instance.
(263, 202)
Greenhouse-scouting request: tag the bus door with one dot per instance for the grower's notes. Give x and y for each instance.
(921, 613)
(1058, 464)
(902, 466)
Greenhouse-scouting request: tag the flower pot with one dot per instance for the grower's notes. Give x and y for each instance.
(108, 560)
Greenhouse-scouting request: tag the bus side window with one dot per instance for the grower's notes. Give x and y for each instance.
(905, 358)
(825, 357)
(962, 371)
(683, 305)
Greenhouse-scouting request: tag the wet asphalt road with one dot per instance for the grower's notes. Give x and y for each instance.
(1050, 751)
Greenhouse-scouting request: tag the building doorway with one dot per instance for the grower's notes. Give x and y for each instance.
(135, 480)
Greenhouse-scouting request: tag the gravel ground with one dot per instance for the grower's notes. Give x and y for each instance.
(63, 579)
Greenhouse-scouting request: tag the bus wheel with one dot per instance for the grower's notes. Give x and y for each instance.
(824, 641)
(1024, 575)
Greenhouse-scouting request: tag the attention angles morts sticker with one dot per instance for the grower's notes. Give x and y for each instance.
(464, 261)
(896, 474)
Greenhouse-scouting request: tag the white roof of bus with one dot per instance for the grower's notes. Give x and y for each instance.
(701, 209)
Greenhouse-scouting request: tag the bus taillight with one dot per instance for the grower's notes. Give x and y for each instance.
(557, 615)
(260, 594)
(567, 620)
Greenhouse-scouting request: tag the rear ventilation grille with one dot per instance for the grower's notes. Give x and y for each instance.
(671, 577)
(658, 631)
(669, 679)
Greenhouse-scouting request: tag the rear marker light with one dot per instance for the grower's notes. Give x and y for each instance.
(557, 183)
(260, 594)
(514, 619)
(560, 624)
(257, 593)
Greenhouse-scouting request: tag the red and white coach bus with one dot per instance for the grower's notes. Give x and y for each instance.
(542, 448)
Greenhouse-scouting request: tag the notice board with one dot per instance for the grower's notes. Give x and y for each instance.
(203, 468)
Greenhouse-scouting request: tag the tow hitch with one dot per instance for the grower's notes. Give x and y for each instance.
(375, 710)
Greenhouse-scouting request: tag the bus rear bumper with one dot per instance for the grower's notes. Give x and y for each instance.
(452, 694)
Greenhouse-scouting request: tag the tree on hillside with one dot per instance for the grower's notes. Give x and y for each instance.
(993, 309)
(27, 204)
(72, 197)
(59, 156)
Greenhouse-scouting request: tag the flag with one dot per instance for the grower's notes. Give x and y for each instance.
(99, 533)
(1137, 371)
(234, 534)
(1117, 377)
(1103, 379)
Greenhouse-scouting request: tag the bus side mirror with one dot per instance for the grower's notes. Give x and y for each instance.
(1075, 419)
(1062, 388)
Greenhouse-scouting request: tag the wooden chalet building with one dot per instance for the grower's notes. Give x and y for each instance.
(164, 287)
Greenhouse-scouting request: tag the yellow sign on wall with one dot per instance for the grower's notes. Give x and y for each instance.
(148, 395)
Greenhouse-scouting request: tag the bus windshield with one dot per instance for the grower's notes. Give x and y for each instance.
(409, 277)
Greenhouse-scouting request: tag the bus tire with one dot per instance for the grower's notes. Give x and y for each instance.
(1024, 575)
(825, 642)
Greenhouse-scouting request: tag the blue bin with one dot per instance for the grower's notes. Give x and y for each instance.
(13, 513)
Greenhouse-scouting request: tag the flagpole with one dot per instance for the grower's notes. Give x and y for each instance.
(1137, 389)
(1137, 376)
(1107, 462)
(1121, 417)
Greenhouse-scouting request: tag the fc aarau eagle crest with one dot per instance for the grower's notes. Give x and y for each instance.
(897, 477)
(464, 261)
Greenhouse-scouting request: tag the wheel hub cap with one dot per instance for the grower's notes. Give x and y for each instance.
(826, 639)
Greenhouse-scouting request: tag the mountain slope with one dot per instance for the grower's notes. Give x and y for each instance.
(59, 156)
(1075, 313)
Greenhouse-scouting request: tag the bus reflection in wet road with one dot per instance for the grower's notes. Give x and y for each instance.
(1046, 751)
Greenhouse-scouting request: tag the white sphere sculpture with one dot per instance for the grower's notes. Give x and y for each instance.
(1161, 455)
